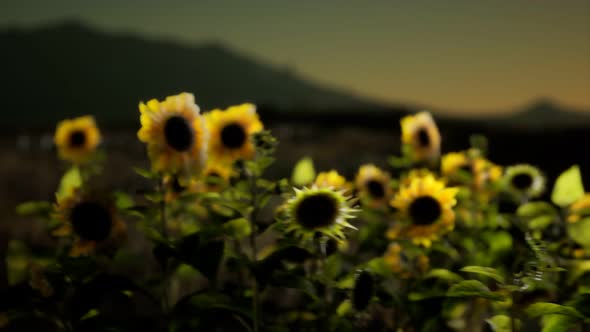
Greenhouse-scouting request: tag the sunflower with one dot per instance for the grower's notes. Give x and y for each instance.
(93, 222)
(373, 186)
(579, 209)
(453, 162)
(413, 174)
(175, 134)
(232, 131)
(428, 205)
(485, 172)
(524, 181)
(395, 259)
(332, 179)
(421, 134)
(215, 177)
(77, 139)
(319, 210)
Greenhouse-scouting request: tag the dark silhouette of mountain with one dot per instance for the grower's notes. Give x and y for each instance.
(545, 113)
(65, 70)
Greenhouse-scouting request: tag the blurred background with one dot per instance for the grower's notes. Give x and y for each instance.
(331, 78)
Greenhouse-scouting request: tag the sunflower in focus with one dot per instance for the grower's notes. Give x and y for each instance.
(373, 186)
(319, 210)
(77, 139)
(231, 132)
(421, 134)
(175, 134)
(93, 222)
(579, 210)
(524, 181)
(428, 205)
(332, 179)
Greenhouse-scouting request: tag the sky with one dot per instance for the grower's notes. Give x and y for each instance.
(462, 56)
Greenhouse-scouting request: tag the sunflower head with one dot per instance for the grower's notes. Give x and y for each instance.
(319, 210)
(215, 177)
(77, 139)
(427, 205)
(524, 181)
(175, 134)
(373, 186)
(453, 163)
(232, 132)
(91, 220)
(420, 133)
(332, 179)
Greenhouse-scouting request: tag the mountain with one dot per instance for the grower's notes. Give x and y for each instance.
(69, 69)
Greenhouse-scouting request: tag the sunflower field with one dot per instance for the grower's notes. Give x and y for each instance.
(436, 242)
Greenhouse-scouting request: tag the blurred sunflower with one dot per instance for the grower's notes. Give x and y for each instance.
(485, 172)
(414, 174)
(92, 221)
(395, 259)
(77, 139)
(579, 209)
(428, 205)
(175, 134)
(319, 210)
(420, 132)
(215, 177)
(231, 132)
(332, 179)
(453, 162)
(524, 180)
(373, 186)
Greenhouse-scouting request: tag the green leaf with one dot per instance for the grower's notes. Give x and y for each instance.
(557, 323)
(238, 228)
(123, 201)
(69, 181)
(34, 208)
(541, 222)
(473, 288)
(580, 231)
(486, 271)
(547, 308)
(344, 308)
(568, 187)
(533, 209)
(204, 256)
(444, 275)
(502, 323)
(303, 172)
(145, 173)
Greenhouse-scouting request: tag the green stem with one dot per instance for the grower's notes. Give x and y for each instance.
(164, 226)
(252, 218)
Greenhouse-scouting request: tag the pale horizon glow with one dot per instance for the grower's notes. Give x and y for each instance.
(460, 56)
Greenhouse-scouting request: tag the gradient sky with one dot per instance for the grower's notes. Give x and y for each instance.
(459, 55)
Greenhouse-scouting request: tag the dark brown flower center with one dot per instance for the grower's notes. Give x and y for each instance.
(376, 189)
(522, 181)
(424, 210)
(91, 221)
(423, 137)
(77, 139)
(315, 211)
(178, 133)
(233, 136)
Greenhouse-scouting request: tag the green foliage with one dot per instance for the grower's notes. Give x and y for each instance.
(473, 288)
(485, 271)
(303, 172)
(568, 187)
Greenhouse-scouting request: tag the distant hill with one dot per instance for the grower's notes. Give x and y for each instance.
(545, 113)
(69, 69)
(53, 72)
